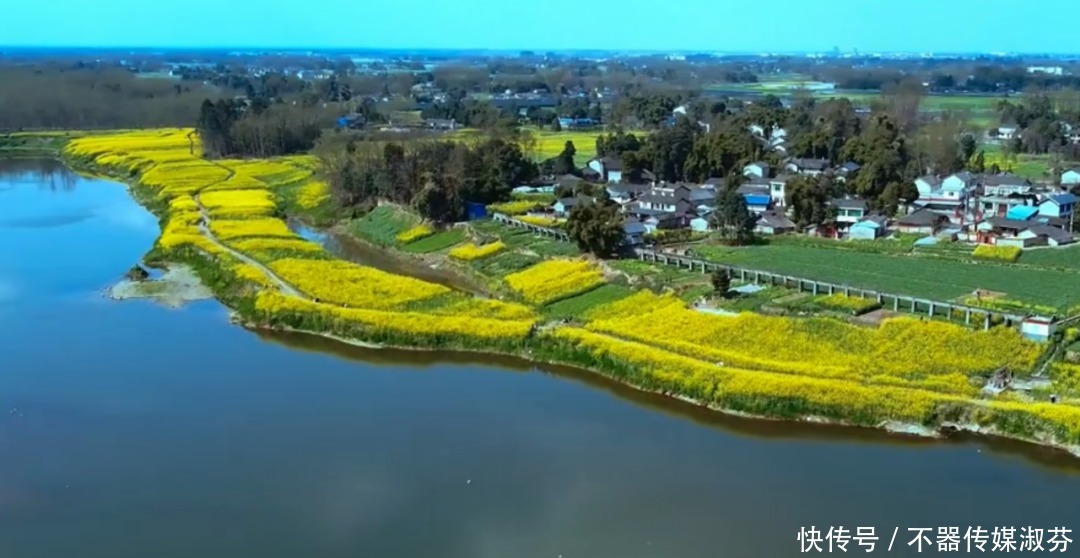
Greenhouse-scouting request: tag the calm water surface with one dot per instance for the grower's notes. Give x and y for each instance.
(129, 430)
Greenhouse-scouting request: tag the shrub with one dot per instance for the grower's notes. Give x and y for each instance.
(852, 304)
(997, 253)
(471, 251)
(519, 207)
(415, 233)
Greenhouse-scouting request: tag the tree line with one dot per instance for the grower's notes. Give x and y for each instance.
(435, 177)
(54, 97)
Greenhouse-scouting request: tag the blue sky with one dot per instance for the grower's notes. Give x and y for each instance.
(706, 25)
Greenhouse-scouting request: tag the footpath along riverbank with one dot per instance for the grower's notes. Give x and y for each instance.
(440, 318)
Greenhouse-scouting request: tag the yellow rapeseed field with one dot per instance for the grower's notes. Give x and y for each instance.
(519, 207)
(471, 251)
(555, 279)
(272, 304)
(229, 229)
(997, 253)
(295, 244)
(416, 233)
(486, 308)
(238, 204)
(537, 220)
(357, 286)
(903, 351)
(313, 194)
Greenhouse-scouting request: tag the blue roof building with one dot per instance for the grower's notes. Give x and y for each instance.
(1021, 212)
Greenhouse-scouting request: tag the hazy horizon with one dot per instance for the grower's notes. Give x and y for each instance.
(769, 26)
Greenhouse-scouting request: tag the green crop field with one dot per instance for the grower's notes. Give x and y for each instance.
(1056, 258)
(576, 306)
(382, 225)
(1032, 167)
(436, 242)
(939, 279)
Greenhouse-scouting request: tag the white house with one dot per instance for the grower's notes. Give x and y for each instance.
(1003, 192)
(773, 222)
(699, 224)
(610, 168)
(1071, 177)
(778, 190)
(634, 232)
(811, 167)
(759, 169)
(1004, 133)
(1059, 205)
(922, 221)
(623, 193)
(869, 228)
(849, 210)
(563, 207)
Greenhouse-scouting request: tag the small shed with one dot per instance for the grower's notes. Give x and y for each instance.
(1021, 212)
(870, 228)
(1037, 328)
(474, 211)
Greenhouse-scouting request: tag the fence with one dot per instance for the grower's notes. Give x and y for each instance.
(897, 301)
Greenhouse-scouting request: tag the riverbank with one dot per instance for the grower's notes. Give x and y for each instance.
(207, 206)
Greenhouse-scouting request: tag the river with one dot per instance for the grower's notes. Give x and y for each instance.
(131, 430)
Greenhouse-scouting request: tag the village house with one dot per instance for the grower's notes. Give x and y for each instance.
(773, 222)
(1002, 133)
(623, 193)
(846, 171)
(634, 232)
(948, 196)
(778, 189)
(1023, 226)
(758, 169)
(1071, 177)
(608, 168)
(563, 206)
(870, 227)
(1062, 206)
(921, 221)
(810, 167)
(1002, 192)
(757, 202)
(849, 210)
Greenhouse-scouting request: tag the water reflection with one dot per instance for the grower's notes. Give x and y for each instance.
(1049, 458)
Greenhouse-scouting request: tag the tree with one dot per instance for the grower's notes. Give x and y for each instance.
(885, 155)
(978, 163)
(596, 227)
(721, 282)
(808, 198)
(556, 126)
(720, 153)
(438, 200)
(732, 219)
(968, 145)
(902, 102)
(564, 161)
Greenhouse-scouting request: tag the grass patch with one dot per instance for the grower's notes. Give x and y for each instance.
(576, 306)
(436, 242)
(383, 224)
(505, 263)
(935, 278)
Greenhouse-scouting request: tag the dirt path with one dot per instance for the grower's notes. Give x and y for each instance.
(204, 228)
